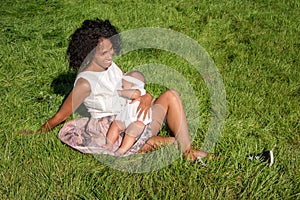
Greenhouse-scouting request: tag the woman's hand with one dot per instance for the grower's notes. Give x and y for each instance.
(145, 105)
(45, 127)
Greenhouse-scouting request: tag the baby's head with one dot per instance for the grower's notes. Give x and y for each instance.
(133, 79)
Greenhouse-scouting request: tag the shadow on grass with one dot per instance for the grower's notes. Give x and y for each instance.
(63, 84)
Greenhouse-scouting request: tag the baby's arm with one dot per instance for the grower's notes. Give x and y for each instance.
(130, 93)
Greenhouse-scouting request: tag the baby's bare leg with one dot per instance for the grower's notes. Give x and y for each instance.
(113, 133)
(127, 143)
(133, 131)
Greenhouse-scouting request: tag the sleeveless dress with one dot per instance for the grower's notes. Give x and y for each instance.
(88, 134)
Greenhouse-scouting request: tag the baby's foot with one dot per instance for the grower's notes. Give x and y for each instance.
(120, 152)
(107, 147)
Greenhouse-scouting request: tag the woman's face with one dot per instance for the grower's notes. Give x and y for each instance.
(104, 53)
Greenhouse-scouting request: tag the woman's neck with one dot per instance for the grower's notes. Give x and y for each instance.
(93, 66)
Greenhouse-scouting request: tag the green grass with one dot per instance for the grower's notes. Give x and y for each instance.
(254, 44)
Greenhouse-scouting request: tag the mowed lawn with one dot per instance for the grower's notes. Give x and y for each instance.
(255, 46)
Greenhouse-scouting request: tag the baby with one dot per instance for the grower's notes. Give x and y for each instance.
(132, 88)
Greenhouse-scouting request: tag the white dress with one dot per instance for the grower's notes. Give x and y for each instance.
(103, 100)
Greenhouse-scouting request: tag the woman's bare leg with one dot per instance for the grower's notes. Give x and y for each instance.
(169, 104)
(156, 142)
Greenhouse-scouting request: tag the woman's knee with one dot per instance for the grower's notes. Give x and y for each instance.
(173, 96)
(172, 92)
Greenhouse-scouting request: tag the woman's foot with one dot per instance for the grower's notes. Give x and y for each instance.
(194, 154)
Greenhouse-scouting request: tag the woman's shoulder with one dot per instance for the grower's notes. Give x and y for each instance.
(86, 77)
(83, 83)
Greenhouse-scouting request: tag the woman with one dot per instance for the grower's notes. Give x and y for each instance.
(94, 86)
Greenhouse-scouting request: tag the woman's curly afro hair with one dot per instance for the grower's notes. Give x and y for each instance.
(86, 38)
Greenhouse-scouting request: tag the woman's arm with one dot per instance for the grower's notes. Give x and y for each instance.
(80, 91)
